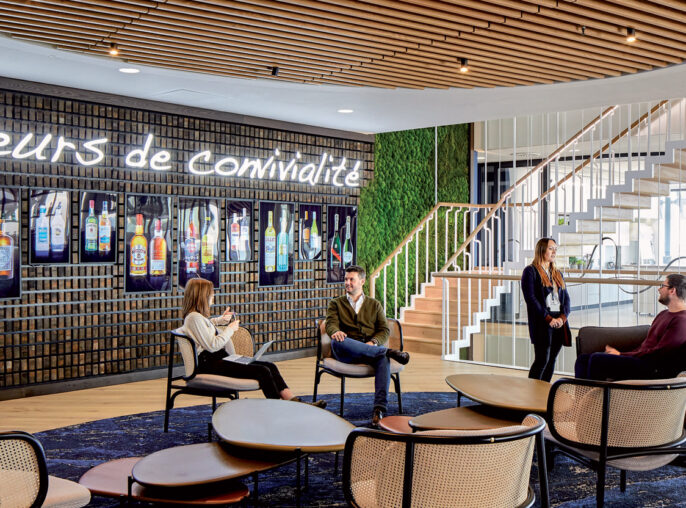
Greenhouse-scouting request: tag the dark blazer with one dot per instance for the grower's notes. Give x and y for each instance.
(535, 294)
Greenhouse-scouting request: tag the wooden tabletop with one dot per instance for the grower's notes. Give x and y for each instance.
(280, 425)
(460, 418)
(199, 464)
(508, 392)
(110, 479)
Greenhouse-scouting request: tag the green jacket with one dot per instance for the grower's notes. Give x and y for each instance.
(370, 323)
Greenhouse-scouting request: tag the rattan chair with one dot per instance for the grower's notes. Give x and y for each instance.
(444, 468)
(208, 385)
(633, 425)
(24, 479)
(326, 363)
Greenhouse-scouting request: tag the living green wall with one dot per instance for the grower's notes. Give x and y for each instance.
(402, 190)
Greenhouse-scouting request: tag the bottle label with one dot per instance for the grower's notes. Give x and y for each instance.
(206, 250)
(269, 254)
(104, 232)
(348, 257)
(191, 256)
(58, 238)
(138, 260)
(91, 237)
(6, 258)
(158, 266)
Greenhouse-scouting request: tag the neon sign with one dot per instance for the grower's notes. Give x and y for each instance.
(326, 170)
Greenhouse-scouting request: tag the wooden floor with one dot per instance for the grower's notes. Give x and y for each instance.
(34, 414)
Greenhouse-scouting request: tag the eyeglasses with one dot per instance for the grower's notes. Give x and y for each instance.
(665, 286)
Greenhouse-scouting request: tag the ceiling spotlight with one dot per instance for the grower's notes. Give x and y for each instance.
(345, 111)
(464, 65)
(275, 71)
(630, 35)
(129, 70)
(114, 50)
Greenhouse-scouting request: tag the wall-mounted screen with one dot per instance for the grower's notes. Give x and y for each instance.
(341, 230)
(276, 243)
(239, 230)
(198, 240)
(309, 232)
(10, 244)
(98, 231)
(148, 243)
(50, 231)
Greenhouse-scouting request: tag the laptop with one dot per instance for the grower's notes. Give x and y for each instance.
(248, 359)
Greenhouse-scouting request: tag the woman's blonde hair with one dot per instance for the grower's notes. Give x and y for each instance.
(196, 297)
(539, 252)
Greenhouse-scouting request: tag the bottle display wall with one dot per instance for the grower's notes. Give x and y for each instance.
(98, 231)
(50, 227)
(148, 243)
(198, 251)
(10, 244)
(309, 232)
(342, 241)
(276, 243)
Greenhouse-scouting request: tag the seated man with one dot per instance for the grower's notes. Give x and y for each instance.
(660, 355)
(358, 330)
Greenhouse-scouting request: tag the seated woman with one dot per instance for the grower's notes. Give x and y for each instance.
(213, 344)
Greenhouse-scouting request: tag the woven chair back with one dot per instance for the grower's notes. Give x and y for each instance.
(637, 417)
(187, 355)
(19, 473)
(243, 342)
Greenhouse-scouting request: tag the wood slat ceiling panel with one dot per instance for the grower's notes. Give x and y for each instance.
(376, 43)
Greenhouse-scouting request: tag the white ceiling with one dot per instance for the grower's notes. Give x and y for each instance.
(375, 110)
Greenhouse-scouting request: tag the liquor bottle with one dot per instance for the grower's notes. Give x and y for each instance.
(42, 240)
(57, 233)
(6, 254)
(347, 245)
(91, 229)
(235, 237)
(270, 245)
(104, 231)
(158, 251)
(207, 245)
(191, 249)
(282, 246)
(335, 259)
(244, 239)
(305, 240)
(139, 250)
(290, 223)
(315, 238)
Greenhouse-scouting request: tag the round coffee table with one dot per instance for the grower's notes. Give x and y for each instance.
(506, 392)
(460, 418)
(280, 425)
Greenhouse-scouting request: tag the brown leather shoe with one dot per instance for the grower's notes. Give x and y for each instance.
(377, 415)
(319, 403)
(399, 356)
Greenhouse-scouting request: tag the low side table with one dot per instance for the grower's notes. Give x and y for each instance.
(460, 418)
(506, 392)
(111, 479)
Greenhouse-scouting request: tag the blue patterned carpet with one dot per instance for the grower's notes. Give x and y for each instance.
(73, 450)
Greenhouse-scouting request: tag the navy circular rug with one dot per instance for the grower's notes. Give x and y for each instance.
(73, 450)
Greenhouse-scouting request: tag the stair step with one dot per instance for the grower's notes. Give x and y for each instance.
(422, 345)
(666, 173)
(631, 201)
(594, 226)
(465, 290)
(645, 187)
(570, 239)
(421, 317)
(615, 214)
(436, 304)
(427, 331)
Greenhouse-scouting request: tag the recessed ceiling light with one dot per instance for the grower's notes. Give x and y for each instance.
(345, 111)
(114, 49)
(630, 35)
(464, 65)
(129, 70)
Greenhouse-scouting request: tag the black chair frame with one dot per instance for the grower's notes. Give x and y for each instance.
(608, 453)
(42, 463)
(320, 369)
(184, 389)
(411, 439)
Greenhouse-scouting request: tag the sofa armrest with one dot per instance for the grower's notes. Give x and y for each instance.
(593, 339)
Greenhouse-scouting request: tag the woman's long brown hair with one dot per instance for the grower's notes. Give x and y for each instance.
(539, 254)
(196, 297)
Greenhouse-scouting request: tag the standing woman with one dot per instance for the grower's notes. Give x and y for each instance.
(547, 305)
(213, 343)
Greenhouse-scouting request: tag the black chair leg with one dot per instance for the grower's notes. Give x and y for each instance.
(398, 391)
(542, 470)
(342, 396)
(622, 480)
(317, 378)
(335, 465)
(600, 487)
(166, 419)
(214, 404)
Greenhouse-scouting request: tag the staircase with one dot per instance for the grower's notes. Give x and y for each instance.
(587, 206)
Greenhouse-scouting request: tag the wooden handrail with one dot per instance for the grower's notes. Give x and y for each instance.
(586, 280)
(419, 226)
(535, 169)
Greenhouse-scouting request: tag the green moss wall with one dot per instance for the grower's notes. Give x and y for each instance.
(402, 191)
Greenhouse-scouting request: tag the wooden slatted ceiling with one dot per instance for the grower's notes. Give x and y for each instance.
(376, 43)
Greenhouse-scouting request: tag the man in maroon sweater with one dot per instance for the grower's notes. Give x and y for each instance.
(663, 352)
